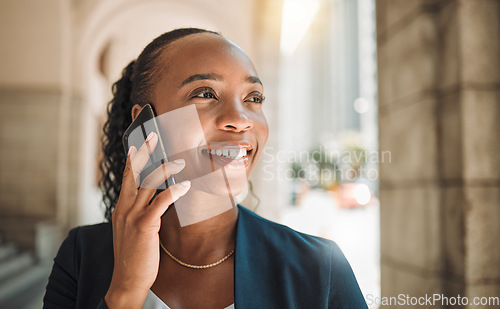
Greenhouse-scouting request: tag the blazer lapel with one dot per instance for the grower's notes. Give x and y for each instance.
(255, 275)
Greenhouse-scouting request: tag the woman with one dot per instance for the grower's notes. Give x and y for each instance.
(234, 258)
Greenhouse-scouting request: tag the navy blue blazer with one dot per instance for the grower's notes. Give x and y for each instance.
(275, 267)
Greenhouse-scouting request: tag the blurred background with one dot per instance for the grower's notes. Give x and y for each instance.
(383, 115)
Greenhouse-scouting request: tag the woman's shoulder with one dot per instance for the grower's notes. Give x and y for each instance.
(95, 233)
(87, 242)
(313, 265)
(94, 229)
(283, 236)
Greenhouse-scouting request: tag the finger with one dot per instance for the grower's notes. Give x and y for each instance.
(129, 186)
(156, 178)
(166, 198)
(142, 156)
(161, 173)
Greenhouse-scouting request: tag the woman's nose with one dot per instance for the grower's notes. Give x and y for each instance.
(233, 117)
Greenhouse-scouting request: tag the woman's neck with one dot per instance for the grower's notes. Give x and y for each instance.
(200, 227)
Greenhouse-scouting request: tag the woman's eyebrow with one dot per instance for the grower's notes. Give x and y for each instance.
(216, 77)
(253, 80)
(203, 76)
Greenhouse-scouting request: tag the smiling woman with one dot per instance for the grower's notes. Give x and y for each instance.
(231, 257)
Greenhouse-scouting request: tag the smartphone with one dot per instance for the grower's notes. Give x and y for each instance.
(136, 135)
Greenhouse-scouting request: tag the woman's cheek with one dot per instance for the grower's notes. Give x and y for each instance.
(263, 129)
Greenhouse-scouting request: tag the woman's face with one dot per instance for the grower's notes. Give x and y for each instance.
(228, 133)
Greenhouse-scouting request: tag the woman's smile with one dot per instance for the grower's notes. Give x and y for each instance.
(234, 155)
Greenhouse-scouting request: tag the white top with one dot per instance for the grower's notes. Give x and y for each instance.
(154, 302)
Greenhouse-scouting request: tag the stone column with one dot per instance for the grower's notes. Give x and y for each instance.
(439, 105)
(33, 90)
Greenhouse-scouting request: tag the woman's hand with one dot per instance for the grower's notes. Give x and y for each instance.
(136, 224)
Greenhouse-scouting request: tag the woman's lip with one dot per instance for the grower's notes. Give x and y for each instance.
(229, 162)
(229, 145)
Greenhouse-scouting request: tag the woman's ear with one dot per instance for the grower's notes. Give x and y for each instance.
(135, 111)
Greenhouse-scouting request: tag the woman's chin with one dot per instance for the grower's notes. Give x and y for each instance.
(230, 183)
(237, 180)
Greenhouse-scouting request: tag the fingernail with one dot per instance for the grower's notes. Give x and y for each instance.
(179, 161)
(130, 150)
(150, 136)
(186, 183)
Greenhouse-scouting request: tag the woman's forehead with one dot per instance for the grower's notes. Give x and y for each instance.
(205, 53)
(200, 42)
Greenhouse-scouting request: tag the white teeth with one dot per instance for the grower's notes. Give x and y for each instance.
(241, 154)
(229, 153)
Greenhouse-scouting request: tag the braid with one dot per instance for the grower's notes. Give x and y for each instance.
(134, 87)
(119, 117)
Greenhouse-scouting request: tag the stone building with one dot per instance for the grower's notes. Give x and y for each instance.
(439, 78)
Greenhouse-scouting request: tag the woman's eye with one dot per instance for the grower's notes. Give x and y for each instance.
(257, 99)
(205, 94)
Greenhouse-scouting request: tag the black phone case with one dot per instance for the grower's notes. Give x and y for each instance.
(136, 135)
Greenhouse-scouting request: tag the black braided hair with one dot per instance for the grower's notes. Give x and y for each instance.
(134, 87)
